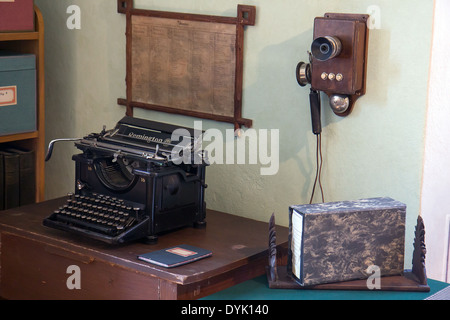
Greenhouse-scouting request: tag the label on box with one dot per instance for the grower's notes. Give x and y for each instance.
(182, 252)
(8, 95)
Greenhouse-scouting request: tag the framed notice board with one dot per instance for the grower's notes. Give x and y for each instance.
(186, 64)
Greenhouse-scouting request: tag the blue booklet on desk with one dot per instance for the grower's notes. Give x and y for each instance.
(175, 256)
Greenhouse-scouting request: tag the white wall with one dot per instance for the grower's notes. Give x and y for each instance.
(436, 174)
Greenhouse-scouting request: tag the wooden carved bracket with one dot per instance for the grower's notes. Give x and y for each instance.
(186, 64)
(418, 261)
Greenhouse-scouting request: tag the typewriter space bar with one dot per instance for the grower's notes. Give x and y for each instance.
(85, 224)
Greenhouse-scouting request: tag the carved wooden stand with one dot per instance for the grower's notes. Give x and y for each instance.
(411, 280)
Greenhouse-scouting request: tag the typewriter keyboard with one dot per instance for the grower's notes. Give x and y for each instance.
(99, 213)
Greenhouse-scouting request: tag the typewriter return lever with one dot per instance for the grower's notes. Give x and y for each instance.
(51, 144)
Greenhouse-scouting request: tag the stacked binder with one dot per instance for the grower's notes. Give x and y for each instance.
(17, 177)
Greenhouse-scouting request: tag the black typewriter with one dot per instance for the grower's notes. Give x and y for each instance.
(134, 182)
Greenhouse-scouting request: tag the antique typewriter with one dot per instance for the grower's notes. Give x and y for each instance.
(134, 182)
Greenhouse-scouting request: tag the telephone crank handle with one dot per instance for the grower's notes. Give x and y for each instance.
(51, 144)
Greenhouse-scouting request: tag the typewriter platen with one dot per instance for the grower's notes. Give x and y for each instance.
(134, 182)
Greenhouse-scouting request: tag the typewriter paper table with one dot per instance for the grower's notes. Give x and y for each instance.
(35, 259)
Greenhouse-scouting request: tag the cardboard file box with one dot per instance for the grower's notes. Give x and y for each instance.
(17, 93)
(16, 15)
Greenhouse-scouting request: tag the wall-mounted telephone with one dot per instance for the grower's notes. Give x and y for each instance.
(337, 63)
(337, 67)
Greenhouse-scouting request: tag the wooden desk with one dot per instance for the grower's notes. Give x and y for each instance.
(34, 259)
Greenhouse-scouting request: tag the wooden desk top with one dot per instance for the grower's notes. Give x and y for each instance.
(235, 242)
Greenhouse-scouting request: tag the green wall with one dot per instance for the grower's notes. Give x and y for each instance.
(376, 151)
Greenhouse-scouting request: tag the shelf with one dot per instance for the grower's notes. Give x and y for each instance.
(31, 42)
(18, 36)
(19, 136)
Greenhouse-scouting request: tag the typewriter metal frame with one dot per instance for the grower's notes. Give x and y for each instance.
(144, 175)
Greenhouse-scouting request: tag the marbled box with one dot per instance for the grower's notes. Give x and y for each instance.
(339, 241)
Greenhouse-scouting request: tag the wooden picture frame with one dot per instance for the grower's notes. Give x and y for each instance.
(186, 64)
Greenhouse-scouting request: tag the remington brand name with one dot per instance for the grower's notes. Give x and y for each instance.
(146, 138)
